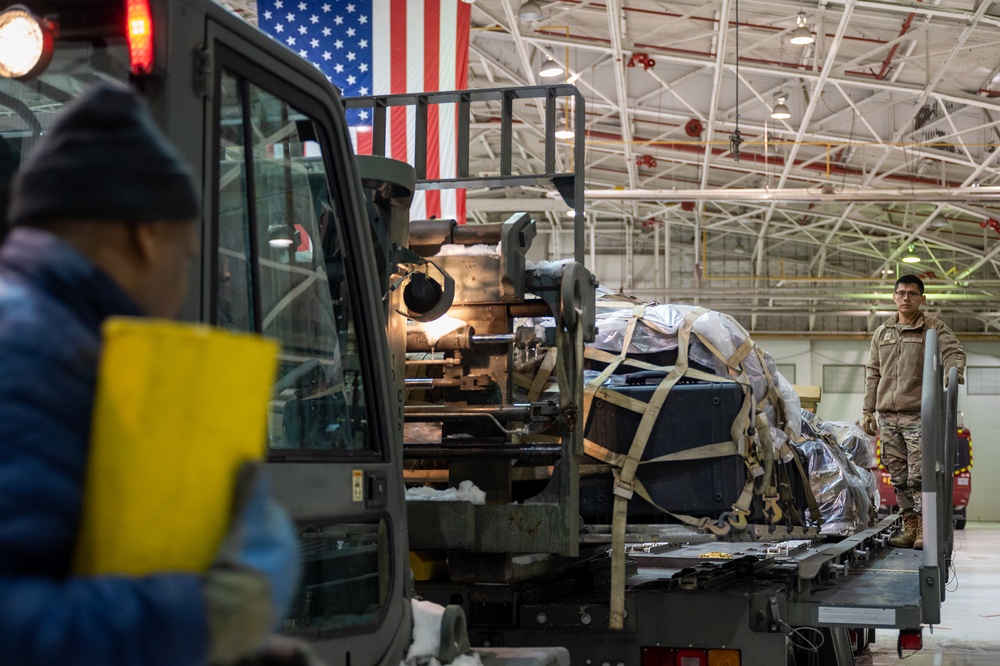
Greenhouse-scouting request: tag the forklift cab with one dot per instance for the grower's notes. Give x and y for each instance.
(287, 252)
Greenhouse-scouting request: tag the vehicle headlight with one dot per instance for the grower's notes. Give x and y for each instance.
(25, 43)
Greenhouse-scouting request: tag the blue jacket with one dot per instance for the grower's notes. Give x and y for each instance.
(52, 303)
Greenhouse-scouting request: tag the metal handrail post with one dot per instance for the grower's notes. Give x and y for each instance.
(931, 442)
(948, 473)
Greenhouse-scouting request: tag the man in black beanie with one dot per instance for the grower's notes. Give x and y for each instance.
(105, 222)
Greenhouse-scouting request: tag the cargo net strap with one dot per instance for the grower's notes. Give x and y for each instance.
(626, 464)
(749, 432)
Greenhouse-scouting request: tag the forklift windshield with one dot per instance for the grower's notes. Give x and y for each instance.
(279, 264)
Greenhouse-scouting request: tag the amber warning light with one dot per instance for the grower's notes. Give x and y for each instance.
(139, 28)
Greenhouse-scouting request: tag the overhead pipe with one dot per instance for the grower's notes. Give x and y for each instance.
(804, 71)
(802, 195)
(960, 16)
(828, 167)
(780, 278)
(705, 19)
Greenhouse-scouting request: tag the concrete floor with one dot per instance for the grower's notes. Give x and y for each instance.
(969, 633)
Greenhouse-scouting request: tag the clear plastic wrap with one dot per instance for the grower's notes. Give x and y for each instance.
(549, 268)
(793, 406)
(854, 442)
(845, 492)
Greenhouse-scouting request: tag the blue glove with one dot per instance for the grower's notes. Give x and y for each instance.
(250, 585)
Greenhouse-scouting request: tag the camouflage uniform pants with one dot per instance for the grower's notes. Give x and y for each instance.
(901, 456)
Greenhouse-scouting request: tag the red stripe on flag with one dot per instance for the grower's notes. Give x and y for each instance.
(432, 62)
(397, 115)
(462, 46)
(364, 141)
(462, 80)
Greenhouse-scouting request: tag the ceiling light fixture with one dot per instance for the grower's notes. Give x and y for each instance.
(738, 248)
(801, 35)
(780, 111)
(529, 11)
(550, 68)
(281, 235)
(910, 257)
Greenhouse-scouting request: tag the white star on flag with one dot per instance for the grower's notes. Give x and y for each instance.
(380, 47)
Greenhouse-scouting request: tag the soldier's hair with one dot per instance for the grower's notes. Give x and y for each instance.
(911, 279)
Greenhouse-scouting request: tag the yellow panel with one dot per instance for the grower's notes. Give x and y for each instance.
(179, 408)
(723, 658)
(428, 566)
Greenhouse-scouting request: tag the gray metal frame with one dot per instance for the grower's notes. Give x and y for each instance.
(569, 184)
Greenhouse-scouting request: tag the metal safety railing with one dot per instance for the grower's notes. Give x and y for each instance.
(938, 412)
(569, 184)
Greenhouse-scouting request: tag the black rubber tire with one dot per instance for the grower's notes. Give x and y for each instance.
(960, 519)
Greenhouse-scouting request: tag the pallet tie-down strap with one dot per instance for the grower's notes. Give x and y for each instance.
(781, 417)
(720, 526)
(713, 450)
(625, 482)
(543, 374)
(612, 364)
(737, 357)
(768, 489)
(738, 430)
(808, 491)
(612, 395)
(770, 486)
(785, 499)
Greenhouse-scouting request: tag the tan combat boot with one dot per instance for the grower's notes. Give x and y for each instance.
(908, 534)
(918, 542)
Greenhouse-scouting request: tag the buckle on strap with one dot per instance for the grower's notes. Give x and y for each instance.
(622, 489)
(740, 520)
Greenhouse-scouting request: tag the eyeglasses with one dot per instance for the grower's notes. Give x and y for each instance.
(902, 295)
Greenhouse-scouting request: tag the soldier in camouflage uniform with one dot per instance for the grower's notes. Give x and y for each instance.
(893, 382)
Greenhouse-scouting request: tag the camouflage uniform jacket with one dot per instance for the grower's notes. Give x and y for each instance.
(894, 374)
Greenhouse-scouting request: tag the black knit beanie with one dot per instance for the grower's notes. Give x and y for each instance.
(104, 159)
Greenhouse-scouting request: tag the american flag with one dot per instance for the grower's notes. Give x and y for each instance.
(380, 47)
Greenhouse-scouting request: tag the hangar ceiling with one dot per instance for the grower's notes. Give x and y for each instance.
(890, 149)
